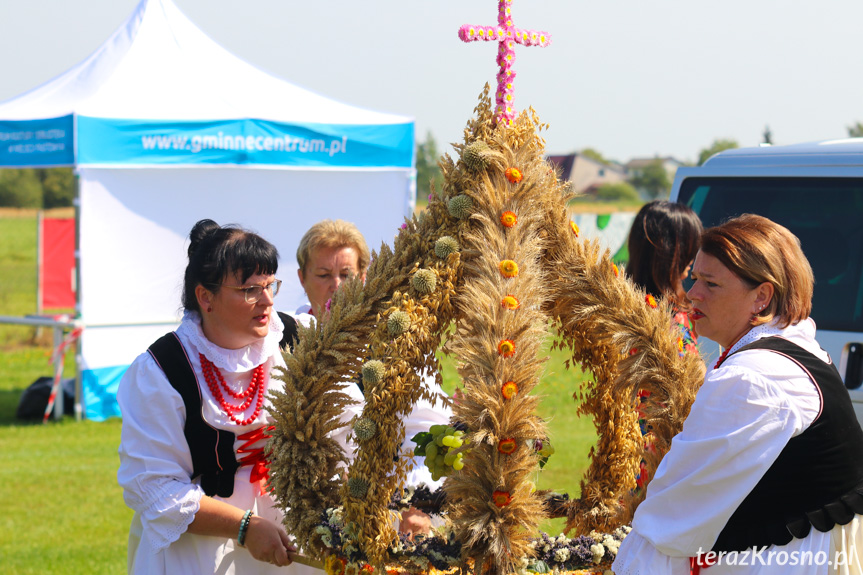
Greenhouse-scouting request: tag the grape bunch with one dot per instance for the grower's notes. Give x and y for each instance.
(440, 446)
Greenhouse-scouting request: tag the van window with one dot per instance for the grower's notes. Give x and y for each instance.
(825, 213)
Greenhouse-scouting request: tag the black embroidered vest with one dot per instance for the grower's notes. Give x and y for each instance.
(212, 449)
(817, 480)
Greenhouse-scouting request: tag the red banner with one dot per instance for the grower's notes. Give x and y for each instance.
(57, 263)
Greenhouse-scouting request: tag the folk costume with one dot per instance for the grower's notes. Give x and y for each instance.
(770, 455)
(163, 483)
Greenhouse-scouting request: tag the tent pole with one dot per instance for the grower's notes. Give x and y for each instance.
(79, 393)
(40, 261)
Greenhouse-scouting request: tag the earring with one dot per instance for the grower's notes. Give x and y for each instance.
(209, 308)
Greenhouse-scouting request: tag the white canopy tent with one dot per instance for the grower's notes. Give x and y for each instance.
(165, 128)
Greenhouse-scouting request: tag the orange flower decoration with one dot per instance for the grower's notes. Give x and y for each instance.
(574, 227)
(509, 390)
(501, 498)
(508, 219)
(506, 348)
(508, 268)
(615, 269)
(510, 302)
(507, 446)
(651, 301)
(513, 175)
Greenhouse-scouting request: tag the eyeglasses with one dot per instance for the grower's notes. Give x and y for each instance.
(254, 293)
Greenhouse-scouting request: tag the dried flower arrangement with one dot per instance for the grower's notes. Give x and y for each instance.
(496, 254)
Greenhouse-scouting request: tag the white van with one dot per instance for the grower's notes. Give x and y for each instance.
(816, 191)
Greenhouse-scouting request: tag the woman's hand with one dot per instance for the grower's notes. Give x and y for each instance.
(268, 542)
(415, 522)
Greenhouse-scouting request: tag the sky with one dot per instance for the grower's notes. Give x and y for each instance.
(628, 78)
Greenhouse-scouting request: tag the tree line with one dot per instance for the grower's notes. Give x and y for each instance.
(45, 188)
(40, 188)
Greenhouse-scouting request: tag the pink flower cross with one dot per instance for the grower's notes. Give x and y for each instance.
(507, 37)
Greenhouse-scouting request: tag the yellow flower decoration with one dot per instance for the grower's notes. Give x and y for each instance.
(574, 227)
(513, 175)
(616, 270)
(506, 348)
(508, 219)
(510, 302)
(501, 498)
(508, 268)
(334, 566)
(651, 301)
(507, 446)
(509, 390)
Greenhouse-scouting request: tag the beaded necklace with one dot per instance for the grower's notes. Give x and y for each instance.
(216, 382)
(722, 357)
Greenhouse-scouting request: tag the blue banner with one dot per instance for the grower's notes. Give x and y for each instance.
(146, 142)
(100, 391)
(37, 143)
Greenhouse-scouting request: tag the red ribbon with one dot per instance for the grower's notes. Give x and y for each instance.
(696, 564)
(255, 458)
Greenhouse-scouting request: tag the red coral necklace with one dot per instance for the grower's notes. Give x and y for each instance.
(217, 383)
(722, 357)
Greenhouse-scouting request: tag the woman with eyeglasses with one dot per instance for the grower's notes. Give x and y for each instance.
(192, 465)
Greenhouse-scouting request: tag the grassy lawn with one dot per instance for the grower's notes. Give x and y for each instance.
(63, 511)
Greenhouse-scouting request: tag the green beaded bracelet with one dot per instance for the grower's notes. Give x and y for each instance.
(244, 525)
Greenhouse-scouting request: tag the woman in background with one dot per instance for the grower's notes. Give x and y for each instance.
(771, 454)
(330, 253)
(663, 241)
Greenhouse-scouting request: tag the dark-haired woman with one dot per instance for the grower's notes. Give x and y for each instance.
(194, 420)
(766, 476)
(663, 241)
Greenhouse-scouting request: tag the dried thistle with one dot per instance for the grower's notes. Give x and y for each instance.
(476, 155)
(398, 323)
(373, 371)
(424, 281)
(460, 206)
(358, 487)
(365, 429)
(445, 246)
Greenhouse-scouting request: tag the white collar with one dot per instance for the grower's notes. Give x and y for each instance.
(801, 333)
(304, 315)
(232, 360)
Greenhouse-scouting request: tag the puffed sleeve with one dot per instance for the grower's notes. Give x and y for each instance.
(155, 464)
(424, 415)
(738, 425)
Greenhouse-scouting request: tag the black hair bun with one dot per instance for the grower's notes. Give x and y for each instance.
(199, 233)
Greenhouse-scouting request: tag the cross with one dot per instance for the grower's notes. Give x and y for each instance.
(507, 37)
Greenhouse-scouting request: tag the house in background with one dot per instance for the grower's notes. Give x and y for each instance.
(634, 166)
(586, 174)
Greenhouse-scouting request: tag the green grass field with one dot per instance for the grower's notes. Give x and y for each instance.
(63, 511)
